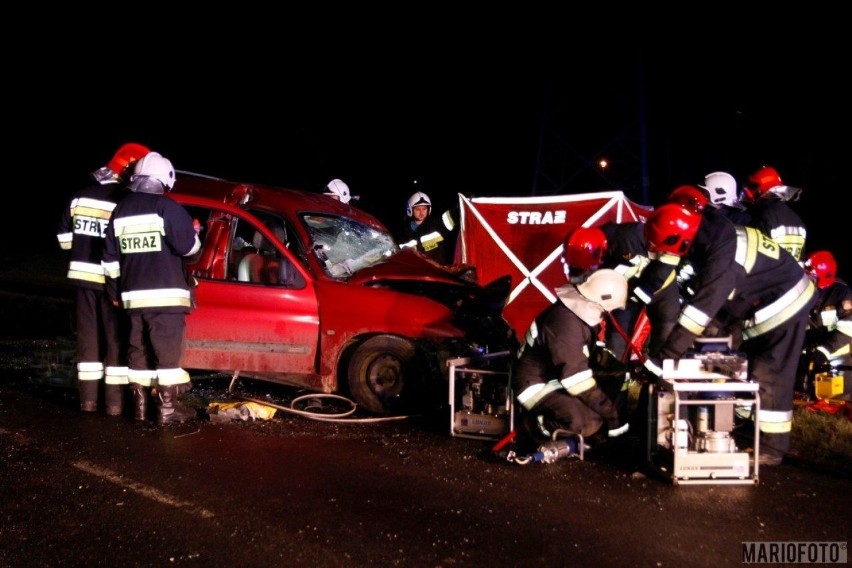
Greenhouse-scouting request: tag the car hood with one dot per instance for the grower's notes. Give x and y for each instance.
(477, 309)
(408, 264)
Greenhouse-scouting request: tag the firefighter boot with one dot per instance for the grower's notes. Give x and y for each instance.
(114, 396)
(171, 409)
(140, 401)
(773, 448)
(88, 395)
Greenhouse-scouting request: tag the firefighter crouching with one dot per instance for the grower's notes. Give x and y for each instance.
(553, 377)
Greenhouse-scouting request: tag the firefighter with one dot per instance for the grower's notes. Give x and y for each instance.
(767, 200)
(101, 327)
(742, 273)
(433, 236)
(722, 195)
(147, 239)
(338, 190)
(829, 337)
(554, 375)
(583, 252)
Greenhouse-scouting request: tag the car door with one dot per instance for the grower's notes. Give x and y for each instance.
(250, 325)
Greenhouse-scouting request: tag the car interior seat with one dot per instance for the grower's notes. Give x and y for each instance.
(253, 266)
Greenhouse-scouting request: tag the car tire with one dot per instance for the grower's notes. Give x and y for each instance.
(384, 375)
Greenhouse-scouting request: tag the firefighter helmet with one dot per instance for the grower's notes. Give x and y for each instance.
(419, 198)
(338, 190)
(671, 229)
(689, 196)
(155, 166)
(766, 181)
(721, 188)
(605, 287)
(584, 249)
(822, 268)
(126, 156)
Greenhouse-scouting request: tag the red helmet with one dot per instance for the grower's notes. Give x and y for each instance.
(671, 228)
(584, 249)
(822, 268)
(690, 196)
(760, 183)
(126, 156)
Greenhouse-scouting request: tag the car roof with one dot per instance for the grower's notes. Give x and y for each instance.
(289, 201)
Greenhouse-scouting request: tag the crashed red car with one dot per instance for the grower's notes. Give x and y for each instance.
(299, 289)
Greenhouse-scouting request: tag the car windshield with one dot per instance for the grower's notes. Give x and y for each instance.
(345, 246)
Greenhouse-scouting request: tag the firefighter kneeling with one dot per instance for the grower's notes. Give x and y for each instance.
(554, 377)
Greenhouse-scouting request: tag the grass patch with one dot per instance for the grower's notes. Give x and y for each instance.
(823, 439)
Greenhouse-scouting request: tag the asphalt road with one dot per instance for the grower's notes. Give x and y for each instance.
(89, 490)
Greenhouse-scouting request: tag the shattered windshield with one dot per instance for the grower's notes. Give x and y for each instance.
(345, 246)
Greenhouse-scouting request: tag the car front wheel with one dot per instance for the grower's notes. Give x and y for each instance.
(384, 376)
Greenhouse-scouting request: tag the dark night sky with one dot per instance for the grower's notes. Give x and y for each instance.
(478, 116)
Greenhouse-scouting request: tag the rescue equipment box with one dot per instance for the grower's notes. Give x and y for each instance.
(691, 421)
(480, 397)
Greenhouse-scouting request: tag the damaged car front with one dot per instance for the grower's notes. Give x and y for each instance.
(299, 289)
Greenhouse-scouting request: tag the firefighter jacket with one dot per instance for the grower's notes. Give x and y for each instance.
(435, 237)
(145, 242)
(82, 229)
(742, 275)
(830, 324)
(559, 349)
(783, 225)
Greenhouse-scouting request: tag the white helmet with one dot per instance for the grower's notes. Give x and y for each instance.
(606, 288)
(338, 190)
(155, 166)
(721, 188)
(418, 198)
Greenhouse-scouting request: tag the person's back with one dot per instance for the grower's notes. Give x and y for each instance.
(553, 377)
(100, 326)
(767, 201)
(748, 277)
(147, 239)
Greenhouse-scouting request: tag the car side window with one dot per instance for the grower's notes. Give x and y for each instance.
(255, 259)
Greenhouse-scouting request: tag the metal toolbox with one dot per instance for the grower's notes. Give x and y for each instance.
(691, 422)
(480, 396)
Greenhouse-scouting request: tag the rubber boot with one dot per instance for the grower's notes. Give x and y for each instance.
(88, 395)
(171, 410)
(140, 401)
(114, 396)
(773, 448)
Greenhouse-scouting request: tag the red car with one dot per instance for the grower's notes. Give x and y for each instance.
(297, 288)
